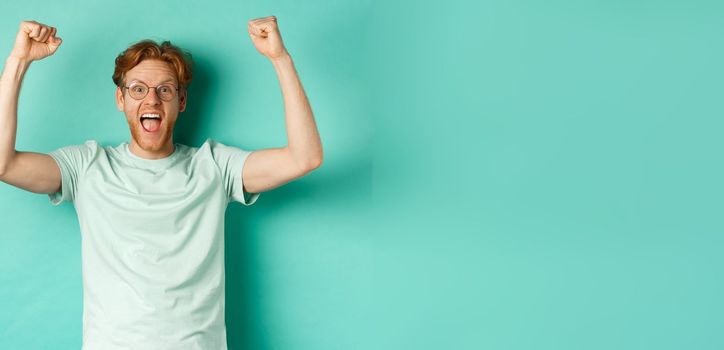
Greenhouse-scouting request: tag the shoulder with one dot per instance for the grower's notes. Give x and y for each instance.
(89, 147)
(214, 147)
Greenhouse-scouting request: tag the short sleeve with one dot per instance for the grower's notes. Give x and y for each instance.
(230, 161)
(73, 162)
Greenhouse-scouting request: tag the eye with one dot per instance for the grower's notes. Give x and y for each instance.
(138, 89)
(164, 89)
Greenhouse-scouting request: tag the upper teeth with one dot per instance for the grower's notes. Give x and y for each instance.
(151, 116)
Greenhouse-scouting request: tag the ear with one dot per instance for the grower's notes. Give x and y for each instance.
(183, 93)
(119, 99)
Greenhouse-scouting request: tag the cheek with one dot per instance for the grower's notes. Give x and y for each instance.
(130, 107)
(130, 113)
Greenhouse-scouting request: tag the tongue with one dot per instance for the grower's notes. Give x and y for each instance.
(151, 124)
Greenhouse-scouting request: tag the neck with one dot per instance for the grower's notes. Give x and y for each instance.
(152, 154)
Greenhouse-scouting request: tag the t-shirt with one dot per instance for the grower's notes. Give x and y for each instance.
(152, 242)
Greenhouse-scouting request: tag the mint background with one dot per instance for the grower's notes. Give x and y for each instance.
(497, 175)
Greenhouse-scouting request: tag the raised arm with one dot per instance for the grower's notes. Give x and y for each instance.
(35, 172)
(270, 168)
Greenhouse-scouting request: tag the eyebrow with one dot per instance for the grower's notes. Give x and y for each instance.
(170, 80)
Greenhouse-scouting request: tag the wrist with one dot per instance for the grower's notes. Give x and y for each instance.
(15, 68)
(14, 60)
(281, 58)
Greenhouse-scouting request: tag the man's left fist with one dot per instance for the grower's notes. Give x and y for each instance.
(264, 33)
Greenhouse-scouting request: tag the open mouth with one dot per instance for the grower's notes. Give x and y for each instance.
(151, 122)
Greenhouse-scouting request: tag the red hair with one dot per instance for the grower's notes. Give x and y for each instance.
(179, 60)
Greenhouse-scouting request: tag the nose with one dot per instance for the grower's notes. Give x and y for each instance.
(152, 97)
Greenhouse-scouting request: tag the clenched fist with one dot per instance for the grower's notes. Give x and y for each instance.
(35, 41)
(264, 33)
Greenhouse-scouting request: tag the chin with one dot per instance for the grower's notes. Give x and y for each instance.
(151, 144)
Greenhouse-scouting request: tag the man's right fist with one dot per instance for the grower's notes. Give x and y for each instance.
(35, 41)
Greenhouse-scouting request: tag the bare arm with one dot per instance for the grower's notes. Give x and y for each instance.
(35, 172)
(270, 168)
(10, 82)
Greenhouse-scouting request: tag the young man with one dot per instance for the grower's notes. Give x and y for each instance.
(151, 211)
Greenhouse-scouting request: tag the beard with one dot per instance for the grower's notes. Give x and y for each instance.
(152, 142)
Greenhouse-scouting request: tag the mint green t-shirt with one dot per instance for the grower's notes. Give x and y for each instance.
(152, 242)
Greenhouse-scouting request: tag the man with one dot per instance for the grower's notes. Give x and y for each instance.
(151, 211)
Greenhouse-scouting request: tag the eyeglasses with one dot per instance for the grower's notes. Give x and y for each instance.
(165, 92)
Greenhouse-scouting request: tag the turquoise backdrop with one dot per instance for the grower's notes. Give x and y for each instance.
(498, 174)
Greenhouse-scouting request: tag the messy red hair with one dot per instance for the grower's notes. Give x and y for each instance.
(179, 60)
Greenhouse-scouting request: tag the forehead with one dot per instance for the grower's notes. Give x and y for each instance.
(151, 72)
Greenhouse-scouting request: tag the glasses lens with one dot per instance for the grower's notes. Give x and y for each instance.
(138, 90)
(165, 92)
